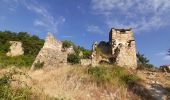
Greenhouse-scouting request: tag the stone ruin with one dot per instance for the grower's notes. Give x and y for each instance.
(165, 68)
(16, 49)
(52, 54)
(120, 50)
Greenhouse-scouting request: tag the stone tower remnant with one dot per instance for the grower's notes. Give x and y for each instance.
(123, 47)
(16, 49)
(120, 49)
(52, 53)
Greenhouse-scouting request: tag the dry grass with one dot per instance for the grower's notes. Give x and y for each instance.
(73, 82)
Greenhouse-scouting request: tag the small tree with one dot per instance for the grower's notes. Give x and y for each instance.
(66, 44)
(143, 62)
(142, 59)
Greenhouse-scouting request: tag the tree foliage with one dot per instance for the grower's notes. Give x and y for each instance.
(31, 44)
(66, 44)
(78, 49)
(86, 53)
(143, 62)
(73, 59)
(142, 59)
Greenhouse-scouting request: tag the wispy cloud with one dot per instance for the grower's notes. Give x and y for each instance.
(140, 14)
(163, 55)
(94, 29)
(44, 18)
(12, 4)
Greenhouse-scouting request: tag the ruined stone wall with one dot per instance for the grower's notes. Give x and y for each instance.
(126, 56)
(16, 49)
(123, 47)
(120, 50)
(96, 58)
(51, 54)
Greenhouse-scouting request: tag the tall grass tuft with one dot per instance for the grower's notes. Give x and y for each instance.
(112, 75)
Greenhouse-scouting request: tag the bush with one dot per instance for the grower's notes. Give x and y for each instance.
(31, 44)
(9, 93)
(97, 72)
(145, 66)
(73, 58)
(39, 65)
(66, 44)
(129, 78)
(111, 75)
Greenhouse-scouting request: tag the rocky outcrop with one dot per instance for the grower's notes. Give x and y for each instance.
(52, 53)
(15, 49)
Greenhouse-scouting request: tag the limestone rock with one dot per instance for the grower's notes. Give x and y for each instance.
(15, 49)
(51, 53)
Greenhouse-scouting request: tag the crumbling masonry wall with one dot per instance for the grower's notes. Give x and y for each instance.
(52, 53)
(16, 49)
(122, 49)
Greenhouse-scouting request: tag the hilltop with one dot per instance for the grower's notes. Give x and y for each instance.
(63, 70)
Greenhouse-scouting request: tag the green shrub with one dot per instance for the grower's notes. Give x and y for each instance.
(145, 66)
(19, 61)
(9, 93)
(130, 78)
(39, 65)
(118, 71)
(101, 75)
(31, 45)
(111, 75)
(97, 72)
(66, 44)
(73, 59)
(143, 62)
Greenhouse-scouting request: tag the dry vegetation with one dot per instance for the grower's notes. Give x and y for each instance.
(75, 82)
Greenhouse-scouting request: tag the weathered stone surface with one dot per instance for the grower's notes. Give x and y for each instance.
(52, 53)
(123, 47)
(70, 50)
(165, 68)
(85, 62)
(95, 55)
(120, 49)
(15, 49)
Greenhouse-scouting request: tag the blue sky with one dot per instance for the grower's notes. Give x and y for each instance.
(86, 21)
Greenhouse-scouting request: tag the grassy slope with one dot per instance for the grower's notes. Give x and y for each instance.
(77, 82)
